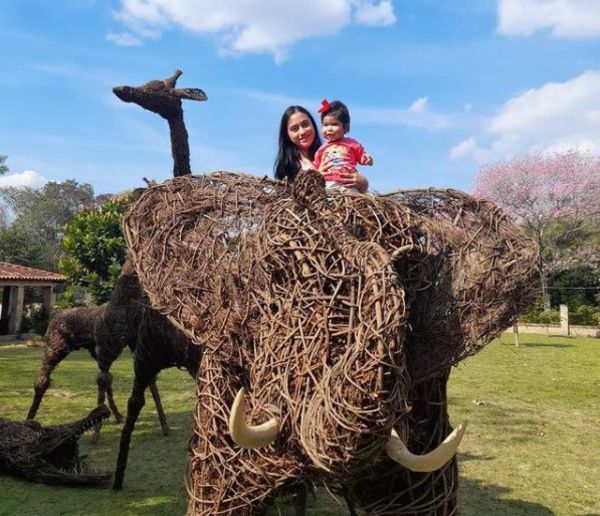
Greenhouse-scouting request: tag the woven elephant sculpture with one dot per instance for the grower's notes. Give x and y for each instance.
(328, 323)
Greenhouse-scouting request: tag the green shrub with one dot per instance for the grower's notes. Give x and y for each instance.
(574, 287)
(585, 315)
(73, 295)
(546, 317)
(35, 319)
(95, 247)
(538, 315)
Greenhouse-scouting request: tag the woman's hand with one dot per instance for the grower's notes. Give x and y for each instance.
(350, 177)
(362, 184)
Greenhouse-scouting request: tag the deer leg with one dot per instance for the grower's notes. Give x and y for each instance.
(106, 354)
(111, 401)
(159, 408)
(52, 357)
(104, 381)
(101, 381)
(134, 407)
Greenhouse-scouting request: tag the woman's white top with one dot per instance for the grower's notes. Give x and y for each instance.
(305, 163)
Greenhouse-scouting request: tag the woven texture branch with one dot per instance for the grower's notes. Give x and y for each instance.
(331, 309)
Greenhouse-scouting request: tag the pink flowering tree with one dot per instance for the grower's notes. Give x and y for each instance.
(557, 199)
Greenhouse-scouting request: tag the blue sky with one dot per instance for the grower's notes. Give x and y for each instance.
(435, 88)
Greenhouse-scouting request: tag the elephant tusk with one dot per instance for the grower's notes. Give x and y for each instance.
(250, 437)
(431, 461)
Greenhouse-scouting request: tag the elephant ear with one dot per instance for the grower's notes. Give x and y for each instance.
(481, 272)
(191, 240)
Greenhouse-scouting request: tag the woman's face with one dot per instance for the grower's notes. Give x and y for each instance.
(301, 131)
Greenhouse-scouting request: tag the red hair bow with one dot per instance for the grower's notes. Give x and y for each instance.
(324, 106)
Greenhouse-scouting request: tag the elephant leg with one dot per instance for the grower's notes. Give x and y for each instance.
(52, 357)
(389, 488)
(134, 407)
(243, 484)
(349, 504)
(223, 478)
(159, 408)
(300, 500)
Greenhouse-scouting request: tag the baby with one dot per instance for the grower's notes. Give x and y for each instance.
(338, 153)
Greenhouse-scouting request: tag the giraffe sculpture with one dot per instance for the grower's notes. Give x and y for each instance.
(159, 344)
(161, 97)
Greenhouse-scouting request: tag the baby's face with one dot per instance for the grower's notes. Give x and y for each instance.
(332, 128)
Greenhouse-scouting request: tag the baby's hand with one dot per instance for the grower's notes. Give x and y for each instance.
(366, 159)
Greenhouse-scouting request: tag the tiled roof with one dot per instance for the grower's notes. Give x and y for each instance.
(13, 272)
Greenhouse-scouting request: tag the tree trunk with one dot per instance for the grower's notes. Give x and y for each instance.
(543, 280)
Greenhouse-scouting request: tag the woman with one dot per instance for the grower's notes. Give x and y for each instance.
(298, 142)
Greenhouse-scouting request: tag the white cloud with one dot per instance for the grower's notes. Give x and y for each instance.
(255, 26)
(419, 105)
(573, 19)
(556, 116)
(463, 148)
(26, 178)
(368, 13)
(123, 39)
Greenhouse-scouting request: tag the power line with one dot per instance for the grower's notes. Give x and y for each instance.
(572, 288)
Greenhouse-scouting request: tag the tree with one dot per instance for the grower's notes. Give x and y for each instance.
(575, 287)
(554, 196)
(3, 170)
(572, 244)
(3, 166)
(38, 217)
(61, 200)
(18, 246)
(95, 247)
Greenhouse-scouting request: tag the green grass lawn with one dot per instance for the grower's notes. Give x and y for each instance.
(532, 446)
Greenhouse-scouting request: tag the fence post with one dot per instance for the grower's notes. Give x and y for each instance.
(564, 320)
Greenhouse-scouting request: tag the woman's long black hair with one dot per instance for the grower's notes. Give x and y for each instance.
(287, 162)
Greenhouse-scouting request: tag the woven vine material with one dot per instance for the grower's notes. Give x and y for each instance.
(49, 454)
(482, 272)
(330, 308)
(386, 488)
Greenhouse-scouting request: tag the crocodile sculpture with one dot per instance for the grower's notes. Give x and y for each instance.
(49, 454)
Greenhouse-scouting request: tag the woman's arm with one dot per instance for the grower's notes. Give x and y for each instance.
(361, 183)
